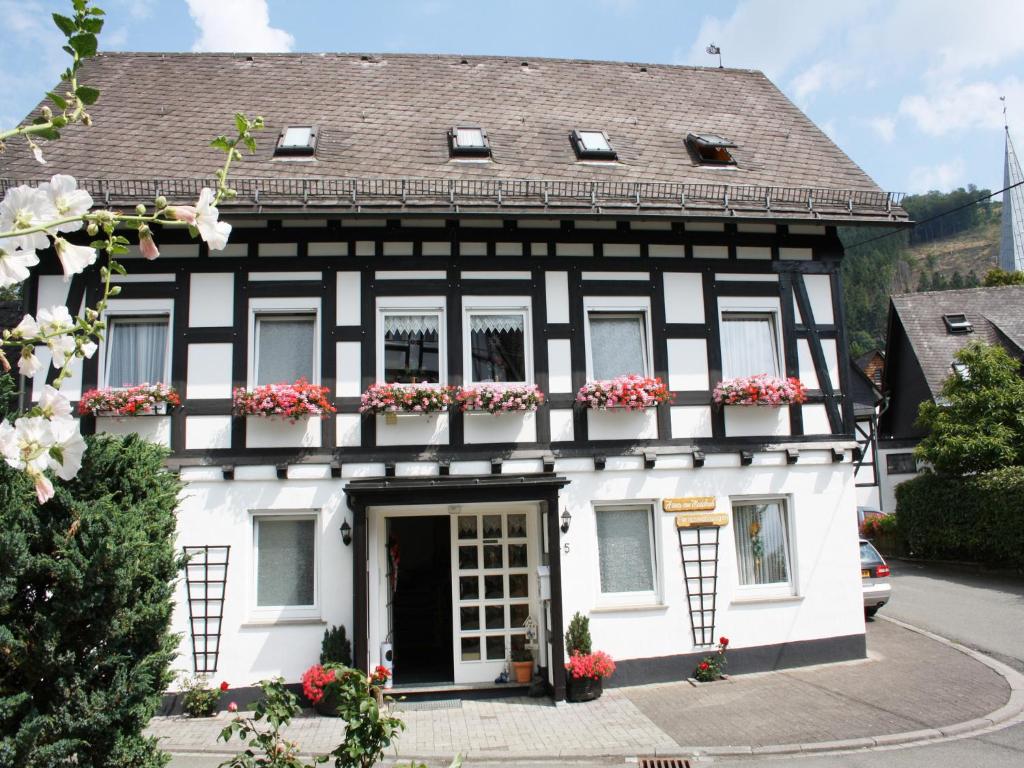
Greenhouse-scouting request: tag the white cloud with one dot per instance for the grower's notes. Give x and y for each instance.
(959, 106)
(236, 25)
(943, 177)
(884, 127)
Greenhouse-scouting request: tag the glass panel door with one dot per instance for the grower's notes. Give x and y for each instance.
(493, 589)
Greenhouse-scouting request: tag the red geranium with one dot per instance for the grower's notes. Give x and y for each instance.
(224, 686)
(704, 665)
(314, 680)
(291, 401)
(380, 675)
(593, 665)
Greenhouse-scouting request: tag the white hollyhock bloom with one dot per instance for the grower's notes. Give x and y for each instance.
(89, 348)
(68, 199)
(25, 207)
(29, 446)
(61, 348)
(14, 263)
(74, 258)
(214, 232)
(53, 319)
(67, 449)
(27, 328)
(7, 440)
(53, 404)
(37, 153)
(29, 363)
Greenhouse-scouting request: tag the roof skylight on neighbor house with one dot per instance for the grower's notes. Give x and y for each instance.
(296, 140)
(592, 145)
(961, 370)
(711, 148)
(468, 141)
(957, 322)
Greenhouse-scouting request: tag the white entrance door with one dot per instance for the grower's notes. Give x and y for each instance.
(492, 589)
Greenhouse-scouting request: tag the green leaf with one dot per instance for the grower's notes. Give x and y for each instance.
(60, 121)
(221, 142)
(58, 100)
(64, 24)
(241, 123)
(69, 51)
(93, 25)
(50, 134)
(84, 44)
(250, 142)
(86, 94)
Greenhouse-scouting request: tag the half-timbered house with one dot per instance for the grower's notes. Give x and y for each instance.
(447, 221)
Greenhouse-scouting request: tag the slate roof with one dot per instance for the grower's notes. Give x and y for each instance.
(996, 313)
(385, 116)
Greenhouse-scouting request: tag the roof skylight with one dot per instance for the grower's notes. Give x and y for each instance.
(592, 145)
(468, 140)
(957, 322)
(296, 140)
(711, 148)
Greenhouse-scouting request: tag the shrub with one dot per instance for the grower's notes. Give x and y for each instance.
(261, 732)
(336, 647)
(577, 638)
(198, 698)
(712, 667)
(977, 517)
(86, 582)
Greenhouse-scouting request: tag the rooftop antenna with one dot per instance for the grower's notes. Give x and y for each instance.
(714, 50)
(1006, 125)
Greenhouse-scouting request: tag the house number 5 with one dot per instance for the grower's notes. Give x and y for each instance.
(565, 548)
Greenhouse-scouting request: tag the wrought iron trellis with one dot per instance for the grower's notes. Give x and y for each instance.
(698, 548)
(206, 575)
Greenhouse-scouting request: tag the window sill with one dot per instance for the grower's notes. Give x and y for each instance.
(298, 621)
(758, 599)
(630, 608)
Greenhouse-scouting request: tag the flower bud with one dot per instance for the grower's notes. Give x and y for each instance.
(47, 113)
(86, 120)
(92, 229)
(115, 290)
(140, 209)
(161, 202)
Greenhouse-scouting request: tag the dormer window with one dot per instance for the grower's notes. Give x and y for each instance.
(468, 141)
(711, 149)
(957, 323)
(962, 371)
(592, 145)
(296, 140)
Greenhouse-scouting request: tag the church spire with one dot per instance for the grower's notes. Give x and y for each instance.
(1011, 248)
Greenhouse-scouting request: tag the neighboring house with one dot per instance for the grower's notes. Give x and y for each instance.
(872, 364)
(925, 332)
(452, 221)
(867, 400)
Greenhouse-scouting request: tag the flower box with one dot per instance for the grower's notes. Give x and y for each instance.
(412, 399)
(141, 400)
(287, 401)
(625, 393)
(496, 399)
(760, 390)
(584, 673)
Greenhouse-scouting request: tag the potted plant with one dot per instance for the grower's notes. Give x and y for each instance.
(333, 689)
(288, 401)
(336, 647)
(499, 398)
(198, 698)
(522, 665)
(760, 390)
(140, 400)
(627, 393)
(712, 667)
(392, 400)
(586, 668)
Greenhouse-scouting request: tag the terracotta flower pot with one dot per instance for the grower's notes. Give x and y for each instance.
(523, 671)
(582, 689)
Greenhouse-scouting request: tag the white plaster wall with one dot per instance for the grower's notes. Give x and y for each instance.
(559, 365)
(562, 429)
(348, 430)
(347, 312)
(687, 364)
(816, 419)
(209, 371)
(500, 428)
(276, 432)
(349, 369)
(413, 429)
(691, 421)
(556, 292)
(684, 297)
(819, 293)
(155, 429)
(755, 420)
(620, 424)
(211, 299)
(205, 432)
(887, 483)
(218, 513)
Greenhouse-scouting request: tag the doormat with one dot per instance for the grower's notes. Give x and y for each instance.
(414, 706)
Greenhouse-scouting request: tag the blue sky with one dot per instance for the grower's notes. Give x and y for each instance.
(908, 88)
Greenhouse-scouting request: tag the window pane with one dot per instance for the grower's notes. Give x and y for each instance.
(624, 550)
(617, 345)
(498, 344)
(748, 346)
(137, 351)
(284, 569)
(469, 137)
(284, 352)
(762, 549)
(411, 344)
(297, 137)
(594, 141)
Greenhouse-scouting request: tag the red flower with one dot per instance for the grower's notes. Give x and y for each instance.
(224, 686)
(723, 640)
(703, 666)
(233, 707)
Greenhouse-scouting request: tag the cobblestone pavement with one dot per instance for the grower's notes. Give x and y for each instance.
(908, 683)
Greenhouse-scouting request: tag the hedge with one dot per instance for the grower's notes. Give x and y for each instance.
(979, 518)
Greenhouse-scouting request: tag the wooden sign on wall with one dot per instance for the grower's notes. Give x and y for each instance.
(702, 520)
(689, 504)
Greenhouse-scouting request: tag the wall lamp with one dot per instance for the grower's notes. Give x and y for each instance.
(566, 519)
(346, 533)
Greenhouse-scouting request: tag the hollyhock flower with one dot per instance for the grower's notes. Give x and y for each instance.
(61, 348)
(53, 404)
(29, 362)
(147, 246)
(14, 264)
(68, 446)
(67, 199)
(186, 213)
(55, 319)
(89, 348)
(26, 207)
(44, 488)
(37, 153)
(74, 258)
(214, 232)
(28, 445)
(26, 329)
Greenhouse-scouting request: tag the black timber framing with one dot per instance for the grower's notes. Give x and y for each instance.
(835, 420)
(362, 495)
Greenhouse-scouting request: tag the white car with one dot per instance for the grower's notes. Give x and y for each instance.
(874, 575)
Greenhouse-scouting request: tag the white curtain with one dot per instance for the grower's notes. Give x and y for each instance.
(624, 550)
(284, 569)
(617, 345)
(748, 346)
(137, 351)
(762, 547)
(285, 352)
(496, 323)
(398, 324)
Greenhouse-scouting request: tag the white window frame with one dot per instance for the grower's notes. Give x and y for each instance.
(652, 597)
(284, 613)
(293, 305)
(619, 305)
(495, 305)
(129, 308)
(756, 305)
(414, 305)
(767, 591)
